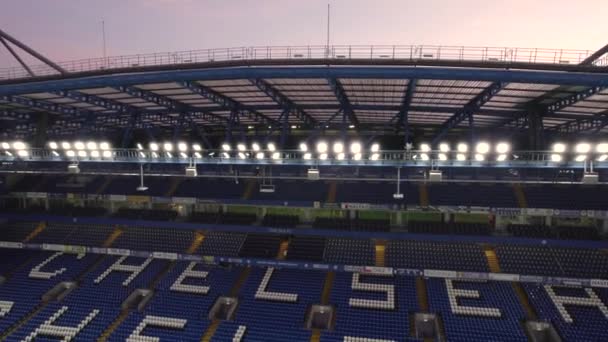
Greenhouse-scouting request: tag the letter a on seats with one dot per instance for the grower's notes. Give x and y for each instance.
(261, 293)
(68, 333)
(5, 308)
(189, 272)
(135, 270)
(155, 321)
(561, 301)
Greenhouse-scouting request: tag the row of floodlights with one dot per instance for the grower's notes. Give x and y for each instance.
(81, 149)
(481, 150)
(582, 151)
(18, 147)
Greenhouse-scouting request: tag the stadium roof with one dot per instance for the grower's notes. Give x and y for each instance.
(367, 87)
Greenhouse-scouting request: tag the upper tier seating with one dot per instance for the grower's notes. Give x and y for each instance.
(560, 232)
(287, 221)
(337, 223)
(449, 228)
(222, 244)
(586, 197)
(306, 248)
(472, 195)
(350, 251)
(146, 214)
(531, 231)
(552, 261)
(435, 255)
(260, 246)
(16, 231)
(74, 234)
(155, 239)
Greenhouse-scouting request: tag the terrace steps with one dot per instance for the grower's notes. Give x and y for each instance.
(199, 237)
(423, 196)
(115, 324)
(492, 258)
(380, 252)
(520, 195)
(283, 248)
(39, 228)
(332, 192)
(115, 234)
(325, 296)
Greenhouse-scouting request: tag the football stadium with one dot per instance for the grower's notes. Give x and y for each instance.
(356, 193)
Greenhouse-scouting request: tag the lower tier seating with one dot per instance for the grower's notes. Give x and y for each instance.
(435, 255)
(349, 251)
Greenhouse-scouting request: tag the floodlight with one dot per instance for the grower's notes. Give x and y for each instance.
(375, 156)
(582, 148)
(139, 146)
(340, 156)
(91, 145)
(442, 156)
(6, 145)
(226, 147)
(70, 153)
(8, 153)
(425, 147)
(255, 147)
(82, 154)
(197, 155)
(168, 147)
(22, 153)
(104, 146)
(142, 155)
(323, 156)
(276, 155)
(357, 156)
(501, 157)
(602, 148)
(322, 147)
(294, 126)
(461, 157)
(602, 158)
(462, 148)
(79, 145)
(307, 156)
(375, 148)
(182, 147)
(559, 147)
(424, 156)
(303, 147)
(351, 126)
(197, 147)
(503, 147)
(19, 145)
(183, 155)
(53, 145)
(482, 147)
(95, 154)
(241, 147)
(169, 155)
(225, 155)
(338, 147)
(66, 145)
(444, 147)
(556, 158)
(479, 157)
(580, 158)
(242, 155)
(271, 147)
(108, 154)
(355, 147)
(55, 154)
(154, 146)
(259, 155)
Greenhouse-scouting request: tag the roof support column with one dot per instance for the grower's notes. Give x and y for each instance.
(535, 130)
(42, 124)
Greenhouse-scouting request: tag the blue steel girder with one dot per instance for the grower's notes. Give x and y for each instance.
(572, 99)
(589, 79)
(347, 108)
(227, 103)
(284, 102)
(171, 104)
(11, 115)
(73, 112)
(469, 109)
(595, 123)
(405, 108)
(97, 101)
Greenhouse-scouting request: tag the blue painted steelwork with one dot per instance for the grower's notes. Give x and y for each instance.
(284, 102)
(595, 123)
(342, 98)
(437, 73)
(405, 108)
(468, 111)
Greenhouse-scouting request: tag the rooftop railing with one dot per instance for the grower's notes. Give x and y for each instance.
(317, 52)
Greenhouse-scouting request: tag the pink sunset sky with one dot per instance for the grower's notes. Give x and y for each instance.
(71, 29)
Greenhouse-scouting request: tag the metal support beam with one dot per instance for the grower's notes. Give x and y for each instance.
(535, 130)
(32, 52)
(228, 103)
(595, 123)
(127, 132)
(338, 90)
(405, 108)
(595, 56)
(469, 109)
(17, 57)
(171, 104)
(48, 106)
(284, 102)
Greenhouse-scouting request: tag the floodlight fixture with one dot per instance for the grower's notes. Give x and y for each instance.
(338, 147)
(53, 145)
(154, 155)
(94, 154)
(355, 147)
(242, 155)
(375, 148)
(602, 158)
(442, 156)
(8, 153)
(255, 147)
(22, 153)
(425, 147)
(66, 145)
(259, 155)
(183, 155)
(70, 153)
(197, 155)
(55, 154)
(271, 147)
(91, 145)
(6, 145)
(461, 157)
(501, 157)
(375, 156)
(104, 145)
(462, 148)
(169, 155)
(341, 156)
(307, 156)
(182, 147)
(225, 155)
(503, 147)
(303, 147)
(241, 147)
(276, 155)
(479, 157)
(82, 154)
(168, 147)
(582, 148)
(559, 147)
(323, 156)
(108, 154)
(556, 158)
(482, 148)
(79, 145)
(424, 156)
(357, 156)
(580, 158)
(139, 146)
(197, 147)
(322, 147)
(153, 146)
(19, 145)
(602, 148)
(226, 147)
(444, 147)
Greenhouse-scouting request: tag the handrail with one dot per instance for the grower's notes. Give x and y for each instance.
(317, 52)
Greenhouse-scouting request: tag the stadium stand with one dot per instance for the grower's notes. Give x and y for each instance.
(306, 248)
(349, 251)
(435, 255)
(162, 240)
(222, 244)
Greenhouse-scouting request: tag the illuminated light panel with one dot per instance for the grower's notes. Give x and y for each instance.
(501, 157)
(340, 156)
(242, 155)
(582, 148)
(79, 145)
(307, 156)
(104, 146)
(226, 147)
(444, 147)
(482, 148)
(6, 145)
(355, 147)
(183, 155)
(461, 157)
(581, 158)
(182, 147)
(259, 155)
(375, 148)
(323, 156)
(154, 146)
(91, 145)
(559, 148)
(241, 147)
(602, 158)
(197, 147)
(424, 156)
(168, 147)
(602, 148)
(322, 147)
(22, 153)
(95, 154)
(108, 154)
(82, 154)
(303, 147)
(375, 156)
(255, 147)
(503, 148)
(479, 157)
(462, 148)
(271, 147)
(66, 145)
(70, 153)
(425, 148)
(19, 145)
(276, 156)
(357, 156)
(338, 147)
(556, 158)
(442, 156)
(53, 145)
